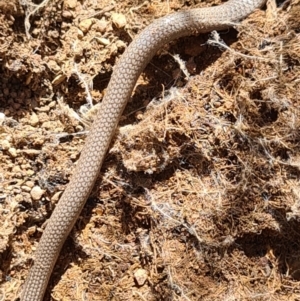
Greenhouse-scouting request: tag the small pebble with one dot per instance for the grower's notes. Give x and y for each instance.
(80, 34)
(119, 20)
(26, 188)
(100, 26)
(4, 144)
(67, 14)
(13, 152)
(16, 169)
(140, 276)
(30, 172)
(19, 198)
(36, 193)
(48, 125)
(85, 25)
(29, 184)
(103, 41)
(34, 120)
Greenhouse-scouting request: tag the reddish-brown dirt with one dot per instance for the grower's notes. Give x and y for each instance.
(199, 195)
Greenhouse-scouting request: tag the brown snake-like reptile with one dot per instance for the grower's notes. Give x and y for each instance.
(119, 90)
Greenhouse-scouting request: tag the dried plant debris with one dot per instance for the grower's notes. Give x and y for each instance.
(199, 195)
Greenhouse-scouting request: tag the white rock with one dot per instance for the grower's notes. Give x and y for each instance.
(36, 193)
(140, 276)
(5, 145)
(85, 25)
(119, 20)
(34, 119)
(13, 152)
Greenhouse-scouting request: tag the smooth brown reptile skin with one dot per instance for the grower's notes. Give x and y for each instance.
(119, 90)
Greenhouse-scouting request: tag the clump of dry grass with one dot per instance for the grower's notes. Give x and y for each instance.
(227, 150)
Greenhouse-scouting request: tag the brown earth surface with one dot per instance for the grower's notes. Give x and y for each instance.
(199, 195)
